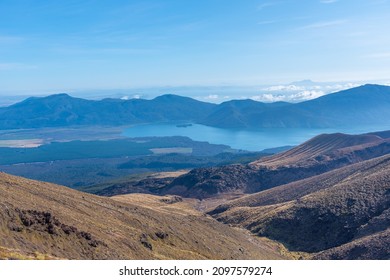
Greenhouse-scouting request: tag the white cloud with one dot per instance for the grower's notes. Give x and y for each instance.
(269, 97)
(212, 96)
(125, 98)
(136, 96)
(284, 88)
(307, 94)
(295, 93)
(338, 87)
(296, 97)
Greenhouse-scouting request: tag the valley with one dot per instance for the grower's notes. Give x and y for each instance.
(90, 160)
(144, 186)
(134, 134)
(332, 189)
(341, 213)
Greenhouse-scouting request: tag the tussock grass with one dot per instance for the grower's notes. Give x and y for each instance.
(62, 223)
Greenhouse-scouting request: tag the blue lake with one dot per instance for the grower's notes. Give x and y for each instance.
(251, 140)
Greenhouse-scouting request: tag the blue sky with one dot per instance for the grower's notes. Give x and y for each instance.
(59, 46)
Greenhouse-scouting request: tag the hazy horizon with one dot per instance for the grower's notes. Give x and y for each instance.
(294, 92)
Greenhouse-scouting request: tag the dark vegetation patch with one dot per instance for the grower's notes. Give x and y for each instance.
(104, 149)
(176, 161)
(311, 230)
(171, 162)
(375, 246)
(30, 221)
(80, 164)
(148, 185)
(144, 239)
(171, 199)
(162, 235)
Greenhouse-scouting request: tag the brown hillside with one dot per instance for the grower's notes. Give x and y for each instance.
(377, 245)
(316, 148)
(383, 134)
(42, 220)
(319, 155)
(296, 190)
(349, 206)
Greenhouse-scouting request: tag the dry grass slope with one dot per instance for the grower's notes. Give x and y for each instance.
(42, 220)
(315, 149)
(346, 208)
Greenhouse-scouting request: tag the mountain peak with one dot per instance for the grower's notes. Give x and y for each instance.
(59, 96)
(170, 96)
(306, 82)
(371, 86)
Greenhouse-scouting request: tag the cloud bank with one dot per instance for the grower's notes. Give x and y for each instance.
(298, 93)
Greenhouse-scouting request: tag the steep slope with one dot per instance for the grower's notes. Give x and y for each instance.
(382, 134)
(337, 212)
(64, 110)
(316, 156)
(317, 148)
(364, 105)
(375, 246)
(42, 220)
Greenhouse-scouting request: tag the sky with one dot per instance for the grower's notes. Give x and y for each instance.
(90, 45)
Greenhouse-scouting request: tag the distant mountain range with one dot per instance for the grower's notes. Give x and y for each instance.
(64, 110)
(364, 105)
